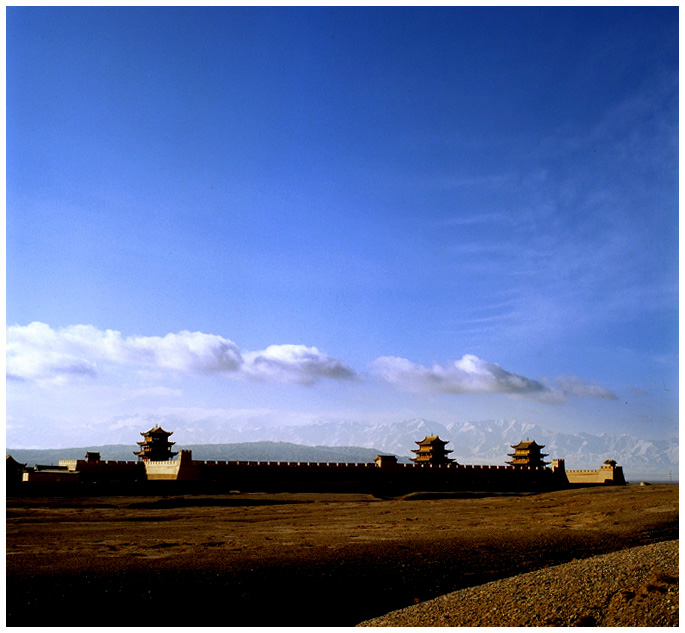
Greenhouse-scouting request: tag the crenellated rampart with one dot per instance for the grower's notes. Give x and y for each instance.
(607, 474)
(385, 475)
(313, 476)
(322, 476)
(105, 471)
(429, 471)
(79, 464)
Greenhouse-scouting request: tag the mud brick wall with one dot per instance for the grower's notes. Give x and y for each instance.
(606, 474)
(105, 471)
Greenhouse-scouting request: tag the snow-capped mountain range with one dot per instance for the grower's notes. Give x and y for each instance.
(487, 442)
(482, 442)
(476, 442)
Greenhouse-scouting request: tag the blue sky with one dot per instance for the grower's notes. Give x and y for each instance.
(341, 213)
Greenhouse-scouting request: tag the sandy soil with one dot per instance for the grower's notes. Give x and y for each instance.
(633, 587)
(298, 559)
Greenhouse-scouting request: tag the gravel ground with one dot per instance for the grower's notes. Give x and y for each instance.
(632, 587)
(300, 559)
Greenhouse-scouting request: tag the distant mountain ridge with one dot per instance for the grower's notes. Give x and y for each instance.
(245, 451)
(482, 442)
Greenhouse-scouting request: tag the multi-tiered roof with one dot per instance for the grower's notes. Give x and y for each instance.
(155, 446)
(528, 454)
(432, 450)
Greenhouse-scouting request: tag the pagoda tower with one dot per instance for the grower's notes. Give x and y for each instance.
(527, 454)
(155, 446)
(431, 450)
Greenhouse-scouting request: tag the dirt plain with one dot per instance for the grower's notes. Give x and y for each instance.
(289, 559)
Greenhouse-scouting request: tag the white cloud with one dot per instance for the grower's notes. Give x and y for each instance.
(471, 374)
(37, 352)
(295, 363)
(468, 375)
(188, 352)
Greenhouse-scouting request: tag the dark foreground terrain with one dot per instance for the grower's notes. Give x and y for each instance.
(298, 559)
(634, 587)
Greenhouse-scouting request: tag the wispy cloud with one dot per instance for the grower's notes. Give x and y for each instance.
(471, 374)
(573, 227)
(468, 375)
(37, 352)
(479, 218)
(209, 420)
(572, 385)
(466, 180)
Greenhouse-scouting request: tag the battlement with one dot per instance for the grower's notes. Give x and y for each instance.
(607, 474)
(430, 470)
(470, 467)
(84, 464)
(155, 470)
(285, 464)
(270, 464)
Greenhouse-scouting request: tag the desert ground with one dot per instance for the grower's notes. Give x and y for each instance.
(287, 559)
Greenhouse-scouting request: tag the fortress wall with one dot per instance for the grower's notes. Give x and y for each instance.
(330, 476)
(233, 464)
(296, 476)
(162, 470)
(585, 477)
(83, 464)
(470, 467)
(606, 474)
(106, 471)
(368, 476)
(69, 476)
(476, 477)
(618, 475)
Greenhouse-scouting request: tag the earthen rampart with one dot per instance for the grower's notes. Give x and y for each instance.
(51, 476)
(79, 464)
(250, 475)
(92, 470)
(319, 476)
(606, 475)
(384, 475)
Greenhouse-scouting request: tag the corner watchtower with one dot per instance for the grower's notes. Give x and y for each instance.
(527, 454)
(155, 446)
(431, 450)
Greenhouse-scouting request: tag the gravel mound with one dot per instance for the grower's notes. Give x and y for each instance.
(632, 587)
